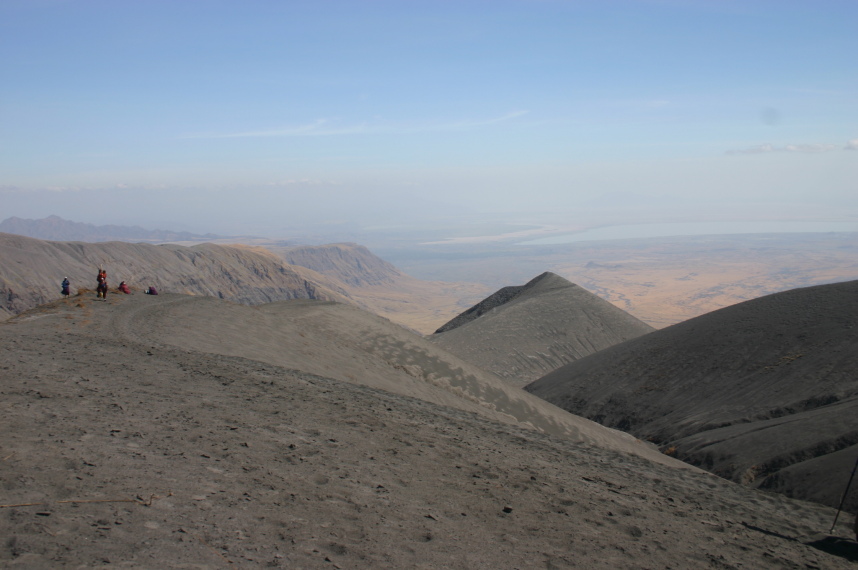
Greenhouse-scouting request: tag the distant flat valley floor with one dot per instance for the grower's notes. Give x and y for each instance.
(661, 281)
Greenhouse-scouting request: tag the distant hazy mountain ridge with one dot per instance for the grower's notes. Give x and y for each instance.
(351, 263)
(523, 332)
(56, 228)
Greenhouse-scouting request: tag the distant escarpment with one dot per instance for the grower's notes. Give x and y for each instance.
(56, 228)
(31, 271)
(351, 263)
(378, 286)
(522, 332)
(764, 392)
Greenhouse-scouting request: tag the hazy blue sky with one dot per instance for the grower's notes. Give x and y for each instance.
(221, 115)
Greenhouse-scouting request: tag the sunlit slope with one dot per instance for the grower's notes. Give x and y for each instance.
(521, 333)
(346, 343)
(764, 392)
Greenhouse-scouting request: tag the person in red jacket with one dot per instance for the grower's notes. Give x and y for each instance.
(123, 288)
(101, 290)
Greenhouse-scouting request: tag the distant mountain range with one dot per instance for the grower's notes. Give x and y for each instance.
(55, 228)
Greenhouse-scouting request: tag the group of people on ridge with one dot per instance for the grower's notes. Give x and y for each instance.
(101, 287)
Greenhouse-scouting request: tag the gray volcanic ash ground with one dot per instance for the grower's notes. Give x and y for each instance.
(521, 333)
(130, 444)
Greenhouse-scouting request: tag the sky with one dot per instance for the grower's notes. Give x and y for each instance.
(235, 116)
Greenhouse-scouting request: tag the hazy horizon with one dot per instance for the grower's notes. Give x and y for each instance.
(274, 118)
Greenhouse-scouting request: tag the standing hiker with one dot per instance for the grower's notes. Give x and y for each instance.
(101, 289)
(65, 286)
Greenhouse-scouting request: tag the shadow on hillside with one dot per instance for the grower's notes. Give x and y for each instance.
(837, 546)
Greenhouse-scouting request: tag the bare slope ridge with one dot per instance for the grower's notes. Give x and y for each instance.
(523, 332)
(378, 286)
(122, 449)
(346, 343)
(764, 392)
(31, 271)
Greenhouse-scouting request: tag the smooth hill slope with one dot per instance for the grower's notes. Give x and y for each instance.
(764, 392)
(349, 344)
(380, 287)
(122, 450)
(520, 333)
(31, 270)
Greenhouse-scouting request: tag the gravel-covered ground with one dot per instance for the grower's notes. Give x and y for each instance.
(124, 447)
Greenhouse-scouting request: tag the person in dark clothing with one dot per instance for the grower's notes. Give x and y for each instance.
(151, 291)
(65, 286)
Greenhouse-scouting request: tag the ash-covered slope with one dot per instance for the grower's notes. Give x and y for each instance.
(764, 392)
(123, 445)
(347, 343)
(522, 332)
(31, 271)
(56, 228)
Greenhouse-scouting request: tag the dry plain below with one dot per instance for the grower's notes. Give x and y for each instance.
(661, 281)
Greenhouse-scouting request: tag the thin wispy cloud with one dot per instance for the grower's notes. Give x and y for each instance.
(800, 148)
(328, 127)
(300, 182)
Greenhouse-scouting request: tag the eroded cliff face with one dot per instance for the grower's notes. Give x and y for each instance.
(31, 271)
